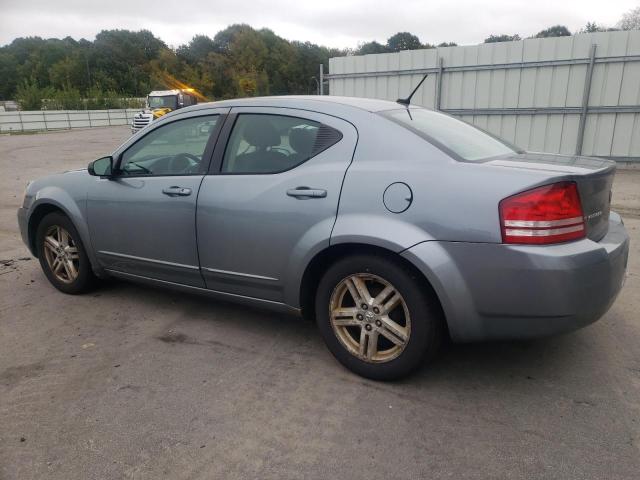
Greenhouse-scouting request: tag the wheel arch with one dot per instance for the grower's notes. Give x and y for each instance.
(49, 205)
(327, 257)
(39, 212)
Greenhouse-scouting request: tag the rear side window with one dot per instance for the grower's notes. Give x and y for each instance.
(454, 136)
(261, 143)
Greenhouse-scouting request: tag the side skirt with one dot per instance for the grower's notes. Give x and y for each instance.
(232, 297)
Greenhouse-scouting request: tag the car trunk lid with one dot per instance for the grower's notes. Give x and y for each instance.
(593, 176)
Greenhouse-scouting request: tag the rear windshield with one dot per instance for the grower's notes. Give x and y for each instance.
(452, 135)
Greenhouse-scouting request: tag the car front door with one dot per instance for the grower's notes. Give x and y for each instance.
(271, 199)
(142, 221)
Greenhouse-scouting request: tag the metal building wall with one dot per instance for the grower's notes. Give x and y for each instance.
(530, 92)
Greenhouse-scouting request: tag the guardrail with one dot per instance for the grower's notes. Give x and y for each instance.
(29, 121)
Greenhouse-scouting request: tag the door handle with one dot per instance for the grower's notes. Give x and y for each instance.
(177, 191)
(306, 192)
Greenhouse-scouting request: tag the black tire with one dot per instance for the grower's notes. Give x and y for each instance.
(85, 279)
(426, 327)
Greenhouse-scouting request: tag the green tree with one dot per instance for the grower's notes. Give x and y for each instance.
(403, 41)
(67, 72)
(248, 52)
(591, 27)
(502, 38)
(123, 57)
(68, 98)
(224, 38)
(278, 63)
(8, 74)
(217, 68)
(30, 95)
(371, 47)
(197, 49)
(238, 60)
(555, 31)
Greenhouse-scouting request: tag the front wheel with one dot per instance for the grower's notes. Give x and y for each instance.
(376, 318)
(62, 255)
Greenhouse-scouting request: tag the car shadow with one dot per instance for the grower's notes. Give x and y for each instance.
(495, 364)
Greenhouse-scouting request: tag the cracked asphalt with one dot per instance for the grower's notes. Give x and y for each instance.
(136, 382)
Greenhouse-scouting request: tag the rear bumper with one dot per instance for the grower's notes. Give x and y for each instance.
(497, 291)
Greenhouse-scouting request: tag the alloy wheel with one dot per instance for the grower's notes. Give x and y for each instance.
(61, 253)
(370, 318)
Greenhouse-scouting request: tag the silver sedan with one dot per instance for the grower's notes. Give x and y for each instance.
(391, 226)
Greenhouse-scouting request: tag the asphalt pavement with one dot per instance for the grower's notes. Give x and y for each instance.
(136, 382)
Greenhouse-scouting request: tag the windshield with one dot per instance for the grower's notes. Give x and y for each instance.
(452, 135)
(169, 101)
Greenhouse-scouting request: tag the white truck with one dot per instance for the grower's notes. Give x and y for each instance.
(161, 102)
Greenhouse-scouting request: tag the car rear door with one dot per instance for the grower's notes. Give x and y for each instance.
(271, 198)
(142, 221)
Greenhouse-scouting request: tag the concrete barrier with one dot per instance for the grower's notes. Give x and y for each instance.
(63, 119)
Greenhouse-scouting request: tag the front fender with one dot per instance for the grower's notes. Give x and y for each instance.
(74, 208)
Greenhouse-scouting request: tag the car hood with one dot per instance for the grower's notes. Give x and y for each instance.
(68, 178)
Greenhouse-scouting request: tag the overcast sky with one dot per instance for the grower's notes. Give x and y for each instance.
(335, 23)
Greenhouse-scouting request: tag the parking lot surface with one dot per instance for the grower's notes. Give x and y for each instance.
(135, 382)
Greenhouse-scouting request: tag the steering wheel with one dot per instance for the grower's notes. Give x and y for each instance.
(281, 150)
(183, 163)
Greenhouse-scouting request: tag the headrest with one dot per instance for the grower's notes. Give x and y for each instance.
(261, 133)
(302, 139)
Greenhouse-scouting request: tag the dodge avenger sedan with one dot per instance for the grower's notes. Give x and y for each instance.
(391, 226)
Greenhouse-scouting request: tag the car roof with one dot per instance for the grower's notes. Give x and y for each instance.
(322, 102)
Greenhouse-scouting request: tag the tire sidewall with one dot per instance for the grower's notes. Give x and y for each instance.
(85, 274)
(424, 316)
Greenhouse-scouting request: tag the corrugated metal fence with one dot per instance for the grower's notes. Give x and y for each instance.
(578, 94)
(63, 119)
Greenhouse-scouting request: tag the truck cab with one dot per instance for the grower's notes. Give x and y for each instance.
(161, 102)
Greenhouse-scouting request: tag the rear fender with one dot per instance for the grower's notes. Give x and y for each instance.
(387, 231)
(435, 263)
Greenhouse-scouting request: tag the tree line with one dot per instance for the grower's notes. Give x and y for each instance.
(239, 61)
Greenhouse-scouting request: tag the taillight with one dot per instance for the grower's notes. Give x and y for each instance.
(548, 214)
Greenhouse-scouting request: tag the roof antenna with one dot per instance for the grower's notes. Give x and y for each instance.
(407, 101)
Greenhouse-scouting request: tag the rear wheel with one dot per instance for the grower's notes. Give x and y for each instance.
(376, 317)
(62, 255)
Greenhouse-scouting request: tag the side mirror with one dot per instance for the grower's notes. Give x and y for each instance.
(103, 167)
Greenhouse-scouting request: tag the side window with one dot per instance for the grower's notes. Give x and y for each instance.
(173, 149)
(262, 143)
